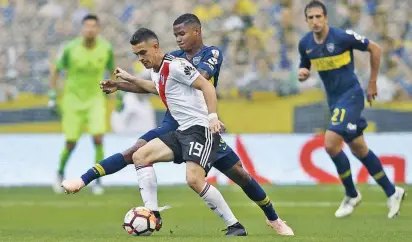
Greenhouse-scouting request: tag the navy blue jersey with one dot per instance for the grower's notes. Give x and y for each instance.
(333, 59)
(209, 59)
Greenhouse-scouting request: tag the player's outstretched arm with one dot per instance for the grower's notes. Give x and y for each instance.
(209, 93)
(375, 59)
(109, 86)
(149, 86)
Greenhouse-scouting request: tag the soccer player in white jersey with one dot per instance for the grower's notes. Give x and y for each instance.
(192, 101)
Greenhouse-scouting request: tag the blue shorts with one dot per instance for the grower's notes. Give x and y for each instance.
(346, 119)
(226, 158)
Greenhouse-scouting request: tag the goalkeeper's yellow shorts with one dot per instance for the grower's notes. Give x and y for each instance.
(92, 117)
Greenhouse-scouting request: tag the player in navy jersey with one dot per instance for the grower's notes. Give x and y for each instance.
(208, 60)
(330, 51)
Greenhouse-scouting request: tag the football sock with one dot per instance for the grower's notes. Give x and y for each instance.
(343, 167)
(375, 169)
(217, 204)
(255, 192)
(99, 155)
(147, 181)
(107, 166)
(64, 157)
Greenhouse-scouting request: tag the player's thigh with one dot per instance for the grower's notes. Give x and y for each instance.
(199, 145)
(153, 152)
(346, 120)
(96, 118)
(73, 122)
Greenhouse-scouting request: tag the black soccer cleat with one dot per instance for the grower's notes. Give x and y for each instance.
(236, 230)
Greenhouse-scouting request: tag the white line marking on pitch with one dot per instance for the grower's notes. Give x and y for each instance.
(74, 204)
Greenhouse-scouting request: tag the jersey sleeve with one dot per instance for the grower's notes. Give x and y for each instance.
(110, 60)
(182, 71)
(211, 61)
(355, 41)
(63, 58)
(304, 59)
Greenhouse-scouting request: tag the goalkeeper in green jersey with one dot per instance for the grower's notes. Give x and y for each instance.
(85, 60)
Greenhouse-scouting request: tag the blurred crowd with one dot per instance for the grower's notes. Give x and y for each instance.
(258, 37)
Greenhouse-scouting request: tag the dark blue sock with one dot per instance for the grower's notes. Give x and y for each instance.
(343, 167)
(256, 193)
(107, 166)
(375, 169)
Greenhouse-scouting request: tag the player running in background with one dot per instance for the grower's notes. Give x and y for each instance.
(207, 60)
(85, 59)
(191, 100)
(330, 52)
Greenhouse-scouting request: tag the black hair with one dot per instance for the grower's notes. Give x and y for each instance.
(90, 17)
(187, 18)
(142, 35)
(316, 4)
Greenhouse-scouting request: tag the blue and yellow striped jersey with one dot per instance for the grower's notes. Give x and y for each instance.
(333, 59)
(209, 59)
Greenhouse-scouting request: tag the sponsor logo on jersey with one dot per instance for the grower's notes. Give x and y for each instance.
(309, 51)
(212, 61)
(189, 70)
(209, 65)
(351, 126)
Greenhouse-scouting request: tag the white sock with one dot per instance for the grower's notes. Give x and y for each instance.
(217, 203)
(147, 181)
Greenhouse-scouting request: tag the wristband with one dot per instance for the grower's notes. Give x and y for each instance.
(212, 116)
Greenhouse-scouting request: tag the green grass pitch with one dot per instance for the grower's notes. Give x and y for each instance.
(37, 214)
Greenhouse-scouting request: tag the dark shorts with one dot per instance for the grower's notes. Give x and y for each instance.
(196, 144)
(346, 116)
(226, 158)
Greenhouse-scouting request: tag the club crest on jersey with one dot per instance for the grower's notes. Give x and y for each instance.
(196, 60)
(330, 47)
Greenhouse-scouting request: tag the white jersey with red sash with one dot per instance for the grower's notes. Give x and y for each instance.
(173, 83)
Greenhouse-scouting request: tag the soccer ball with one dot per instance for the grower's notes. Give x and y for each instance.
(139, 221)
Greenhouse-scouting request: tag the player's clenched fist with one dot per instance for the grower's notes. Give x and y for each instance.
(303, 74)
(119, 72)
(108, 86)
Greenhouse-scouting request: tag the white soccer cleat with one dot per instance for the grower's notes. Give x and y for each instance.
(72, 186)
(97, 190)
(348, 205)
(395, 202)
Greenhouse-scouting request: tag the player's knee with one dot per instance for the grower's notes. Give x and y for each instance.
(332, 148)
(70, 145)
(98, 140)
(140, 158)
(238, 175)
(359, 151)
(128, 154)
